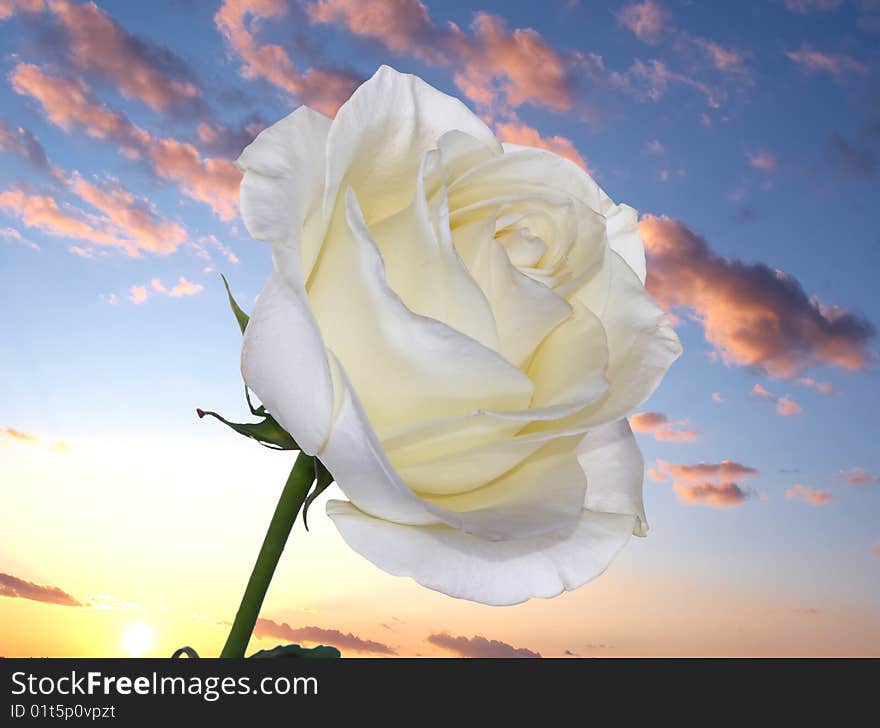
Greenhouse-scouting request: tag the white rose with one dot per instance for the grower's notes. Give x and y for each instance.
(457, 328)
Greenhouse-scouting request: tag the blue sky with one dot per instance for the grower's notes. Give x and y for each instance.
(756, 125)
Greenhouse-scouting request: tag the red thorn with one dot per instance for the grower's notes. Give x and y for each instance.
(200, 413)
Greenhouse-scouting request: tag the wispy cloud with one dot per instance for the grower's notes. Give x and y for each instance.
(823, 387)
(646, 20)
(70, 104)
(785, 406)
(812, 6)
(809, 495)
(22, 143)
(139, 69)
(267, 628)
(127, 221)
(16, 435)
(752, 314)
(324, 89)
(837, 66)
(762, 160)
(478, 646)
(858, 476)
(12, 586)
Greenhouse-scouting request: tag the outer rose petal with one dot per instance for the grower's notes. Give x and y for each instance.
(395, 118)
(283, 360)
(490, 572)
(615, 470)
(625, 240)
(283, 180)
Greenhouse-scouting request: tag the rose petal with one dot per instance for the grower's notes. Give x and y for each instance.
(624, 238)
(525, 310)
(283, 360)
(641, 343)
(359, 465)
(394, 118)
(472, 467)
(403, 365)
(615, 469)
(423, 267)
(283, 181)
(543, 494)
(510, 507)
(569, 366)
(490, 572)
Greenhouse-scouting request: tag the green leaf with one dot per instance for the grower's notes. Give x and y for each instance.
(268, 432)
(323, 479)
(321, 652)
(240, 315)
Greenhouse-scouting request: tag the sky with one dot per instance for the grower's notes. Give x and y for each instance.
(746, 134)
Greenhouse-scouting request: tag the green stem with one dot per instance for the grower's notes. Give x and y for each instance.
(295, 491)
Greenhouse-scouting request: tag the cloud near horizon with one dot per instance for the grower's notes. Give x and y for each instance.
(12, 586)
(268, 629)
(750, 313)
(479, 646)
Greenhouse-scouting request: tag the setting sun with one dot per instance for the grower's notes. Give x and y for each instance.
(138, 639)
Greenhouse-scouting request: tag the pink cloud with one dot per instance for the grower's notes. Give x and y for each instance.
(788, 407)
(785, 406)
(269, 629)
(752, 314)
(716, 397)
(651, 80)
(17, 434)
(711, 484)
(324, 89)
(70, 104)
(494, 66)
(126, 221)
(809, 495)
(715, 495)
(99, 45)
(838, 66)
(662, 428)
(646, 20)
(823, 387)
(724, 59)
(762, 160)
(138, 294)
(518, 132)
(183, 287)
(22, 143)
(134, 217)
(858, 476)
(12, 586)
(8, 8)
(479, 647)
